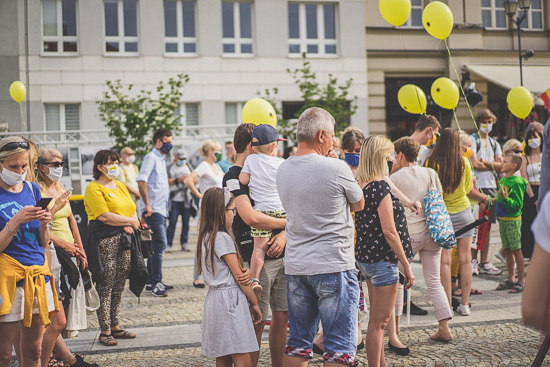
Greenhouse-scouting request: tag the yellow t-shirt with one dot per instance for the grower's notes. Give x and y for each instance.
(61, 227)
(128, 175)
(458, 201)
(99, 199)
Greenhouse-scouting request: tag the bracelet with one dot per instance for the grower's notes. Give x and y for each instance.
(9, 231)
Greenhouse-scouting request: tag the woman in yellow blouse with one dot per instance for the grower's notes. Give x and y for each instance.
(110, 211)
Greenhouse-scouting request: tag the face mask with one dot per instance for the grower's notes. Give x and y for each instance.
(55, 174)
(352, 159)
(390, 166)
(11, 178)
(431, 141)
(534, 143)
(180, 163)
(468, 153)
(112, 171)
(166, 148)
(131, 159)
(218, 156)
(486, 128)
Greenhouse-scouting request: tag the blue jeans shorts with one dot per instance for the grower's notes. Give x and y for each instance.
(380, 274)
(332, 299)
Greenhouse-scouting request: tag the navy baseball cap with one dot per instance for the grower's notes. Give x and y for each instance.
(264, 134)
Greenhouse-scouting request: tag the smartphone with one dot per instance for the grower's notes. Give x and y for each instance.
(43, 203)
(68, 192)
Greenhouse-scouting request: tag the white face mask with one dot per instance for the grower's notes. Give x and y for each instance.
(486, 128)
(11, 178)
(112, 171)
(55, 174)
(534, 143)
(131, 159)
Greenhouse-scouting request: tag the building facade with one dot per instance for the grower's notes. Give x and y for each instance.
(483, 46)
(65, 50)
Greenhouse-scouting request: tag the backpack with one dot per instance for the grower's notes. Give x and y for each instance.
(438, 219)
(492, 141)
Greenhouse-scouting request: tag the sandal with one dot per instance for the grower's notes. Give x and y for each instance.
(257, 288)
(55, 362)
(457, 292)
(122, 334)
(517, 288)
(109, 341)
(505, 285)
(475, 291)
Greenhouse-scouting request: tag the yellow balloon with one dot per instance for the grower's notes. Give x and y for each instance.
(396, 12)
(258, 111)
(445, 93)
(438, 20)
(18, 91)
(520, 102)
(412, 99)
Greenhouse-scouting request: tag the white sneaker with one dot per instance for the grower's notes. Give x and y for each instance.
(463, 310)
(475, 268)
(488, 268)
(499, 256)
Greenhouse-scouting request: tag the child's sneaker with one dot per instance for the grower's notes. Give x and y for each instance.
(475, 269)
(257, 288)
(488, 268)
(463, 310)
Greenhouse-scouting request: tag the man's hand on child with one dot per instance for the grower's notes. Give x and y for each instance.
(246, 277)
(277, 244)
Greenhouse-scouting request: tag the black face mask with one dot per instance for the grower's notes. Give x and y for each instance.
(390, 166)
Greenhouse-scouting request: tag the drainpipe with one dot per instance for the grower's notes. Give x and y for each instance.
(28, 84)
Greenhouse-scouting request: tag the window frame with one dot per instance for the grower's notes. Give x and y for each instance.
(408, 24)
(63, 121)
(121, 38)
(59, 38)
(183, 118)
(527, 23)
(493, 10)
(303, 41)
(180, 39)
(238, 41)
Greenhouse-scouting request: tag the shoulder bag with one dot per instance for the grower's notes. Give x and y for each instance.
(438, 219)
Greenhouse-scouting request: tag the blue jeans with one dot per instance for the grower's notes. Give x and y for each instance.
(332, 298)
(380, 274)
(157, 223)
(177, 209)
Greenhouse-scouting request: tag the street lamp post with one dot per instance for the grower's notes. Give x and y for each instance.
(511, 6)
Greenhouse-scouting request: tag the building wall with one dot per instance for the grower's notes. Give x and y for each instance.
(9, 63)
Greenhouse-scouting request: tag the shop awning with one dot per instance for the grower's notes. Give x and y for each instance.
(536, 78)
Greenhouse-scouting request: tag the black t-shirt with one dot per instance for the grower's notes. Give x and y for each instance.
(371, 246)
(241, 230)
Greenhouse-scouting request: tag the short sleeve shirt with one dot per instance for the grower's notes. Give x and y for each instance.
(541, 225)
(486, 179)
(219, 274)
(207, 178)
(371, 246)
(99, 199)
(262, 169)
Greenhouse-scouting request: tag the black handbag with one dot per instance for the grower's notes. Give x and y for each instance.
(146, 240)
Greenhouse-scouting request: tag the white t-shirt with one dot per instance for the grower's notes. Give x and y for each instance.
(262, 169)
(423, 154)
(541, 225)
(485, 179)
(207, 178)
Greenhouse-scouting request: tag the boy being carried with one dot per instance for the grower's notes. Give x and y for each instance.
(259, 173)
(508, 211)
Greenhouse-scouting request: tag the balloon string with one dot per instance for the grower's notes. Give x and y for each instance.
(460, 85)
(23, 122)
(456, 119)
(411, 74)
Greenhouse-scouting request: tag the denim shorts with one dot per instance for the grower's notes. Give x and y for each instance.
(381, 273)
(331, 298)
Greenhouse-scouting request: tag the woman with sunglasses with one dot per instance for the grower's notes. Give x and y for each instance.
(64, 235)
(111, 211)
(26, 284)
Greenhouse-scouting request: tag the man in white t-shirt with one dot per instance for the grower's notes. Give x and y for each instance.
(488, 150)
(425, 133)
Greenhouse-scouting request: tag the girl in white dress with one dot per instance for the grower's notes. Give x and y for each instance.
(227, 325)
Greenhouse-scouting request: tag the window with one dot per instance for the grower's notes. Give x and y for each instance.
(415, 19)
(179, 27)
(62, 117)
(533, 20)
(189, 118)
(59, 26)
(121, 26)
(493, 15)
(312, 29)
(237, 27)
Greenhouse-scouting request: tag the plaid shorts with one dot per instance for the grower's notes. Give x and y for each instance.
(510, 233)
(267, 233)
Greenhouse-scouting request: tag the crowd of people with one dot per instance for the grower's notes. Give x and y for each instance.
(296, 237)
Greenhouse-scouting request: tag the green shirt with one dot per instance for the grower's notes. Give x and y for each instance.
(511, 207)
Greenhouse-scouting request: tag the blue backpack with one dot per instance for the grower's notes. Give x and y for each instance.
(438, 219)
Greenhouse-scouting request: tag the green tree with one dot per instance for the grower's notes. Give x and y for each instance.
(133, 120)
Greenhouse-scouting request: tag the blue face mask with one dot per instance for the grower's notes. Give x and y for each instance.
(352, 159)
(166, 148)
(181, 163)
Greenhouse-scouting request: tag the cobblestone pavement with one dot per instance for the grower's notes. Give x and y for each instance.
(492, 336)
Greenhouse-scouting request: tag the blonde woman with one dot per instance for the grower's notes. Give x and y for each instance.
(28, 295)
(382, 241)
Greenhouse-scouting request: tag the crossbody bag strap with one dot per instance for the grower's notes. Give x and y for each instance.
(32, 190)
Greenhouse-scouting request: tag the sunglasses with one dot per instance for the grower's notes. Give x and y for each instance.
(234, 210)
(14, 145)
(517, 151)
(55, 164)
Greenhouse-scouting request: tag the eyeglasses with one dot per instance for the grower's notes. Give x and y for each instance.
(55, 164)
(14, 145)
(234, 210)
